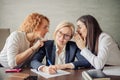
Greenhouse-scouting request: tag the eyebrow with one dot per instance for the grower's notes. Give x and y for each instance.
(66, 33)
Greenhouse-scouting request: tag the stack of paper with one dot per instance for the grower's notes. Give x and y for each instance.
(45, 75)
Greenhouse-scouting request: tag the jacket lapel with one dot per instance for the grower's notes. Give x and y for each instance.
(53, 54)
(50, 52)
(70, 53)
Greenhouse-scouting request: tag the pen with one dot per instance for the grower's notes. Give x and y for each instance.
(50, 63)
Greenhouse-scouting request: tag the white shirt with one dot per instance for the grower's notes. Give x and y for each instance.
(60, 58)
(15, 43)
(108, 52)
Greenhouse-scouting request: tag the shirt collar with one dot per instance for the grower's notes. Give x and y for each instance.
(57, 47)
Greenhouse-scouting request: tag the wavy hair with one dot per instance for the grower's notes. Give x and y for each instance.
(32, 22)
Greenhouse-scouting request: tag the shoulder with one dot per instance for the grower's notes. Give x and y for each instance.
(17, 33)
(105, 39)
(104, 35)
(71, 43)
(49, 42)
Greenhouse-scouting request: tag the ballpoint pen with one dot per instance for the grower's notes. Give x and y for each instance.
(49, 63)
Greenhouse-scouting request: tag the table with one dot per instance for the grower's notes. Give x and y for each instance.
(75, 75)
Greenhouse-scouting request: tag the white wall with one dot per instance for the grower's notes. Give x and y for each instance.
(13, 12)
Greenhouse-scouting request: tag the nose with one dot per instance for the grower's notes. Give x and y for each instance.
(47, 30)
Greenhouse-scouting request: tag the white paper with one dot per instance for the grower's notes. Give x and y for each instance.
(46, 75)
(112, 70)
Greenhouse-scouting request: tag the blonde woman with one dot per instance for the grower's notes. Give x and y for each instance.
(20, 45)
(60, 53)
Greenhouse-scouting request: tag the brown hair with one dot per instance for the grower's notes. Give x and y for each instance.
(32, 22)
(93, 32)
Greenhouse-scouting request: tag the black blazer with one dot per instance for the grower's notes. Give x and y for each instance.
(49, 49)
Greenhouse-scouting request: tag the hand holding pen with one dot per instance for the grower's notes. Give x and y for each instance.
(52, 68)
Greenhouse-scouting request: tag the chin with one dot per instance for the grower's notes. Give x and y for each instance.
(59, 43)
(42, 36)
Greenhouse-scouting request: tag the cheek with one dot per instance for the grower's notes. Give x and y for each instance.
(84, 33)
(42, 32)
(56, 37)
(39, 32)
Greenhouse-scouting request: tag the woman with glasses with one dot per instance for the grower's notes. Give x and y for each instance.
(96, 46)
(60, 53)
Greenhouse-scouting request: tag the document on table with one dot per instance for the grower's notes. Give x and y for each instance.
(46, 75)
(112, 70)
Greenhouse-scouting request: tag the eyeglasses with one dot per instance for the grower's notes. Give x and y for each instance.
(65, 36)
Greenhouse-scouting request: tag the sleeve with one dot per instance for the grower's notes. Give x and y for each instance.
(36, 61)
(99, 61)
(12, 49)
(81, 61)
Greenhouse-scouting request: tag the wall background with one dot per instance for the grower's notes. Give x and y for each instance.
(13, 12)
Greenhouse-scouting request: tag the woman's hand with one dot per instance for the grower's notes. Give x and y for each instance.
(79, 41)
(38, 44)
(49, 69)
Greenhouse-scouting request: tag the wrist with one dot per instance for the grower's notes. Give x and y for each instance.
(69, 65)
(44, 69)
(32, 49)
(82, 47)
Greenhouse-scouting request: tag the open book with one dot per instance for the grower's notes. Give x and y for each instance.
(46, 75)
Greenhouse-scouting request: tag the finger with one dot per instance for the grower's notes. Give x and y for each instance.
(84, 40)
(57, 67)
(42, 39)
(42, 43)
(76, 36)
(53, 67)
(52, 71)
(80, 38)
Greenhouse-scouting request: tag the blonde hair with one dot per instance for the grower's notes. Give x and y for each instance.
(64, 24)
(32, 22)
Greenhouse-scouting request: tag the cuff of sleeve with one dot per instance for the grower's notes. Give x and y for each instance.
(39, 68)
(72, 65)
(83, 51)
